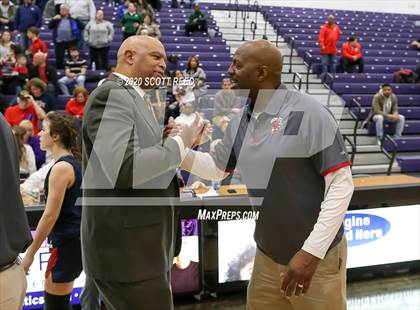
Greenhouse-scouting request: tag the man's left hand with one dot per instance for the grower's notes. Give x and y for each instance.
(171, 129)
(205, 135)
(299, 273)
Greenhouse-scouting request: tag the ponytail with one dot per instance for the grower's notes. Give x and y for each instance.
(65, 126)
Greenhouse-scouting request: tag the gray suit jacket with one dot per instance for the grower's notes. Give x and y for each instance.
(124, 157)
(15, 236)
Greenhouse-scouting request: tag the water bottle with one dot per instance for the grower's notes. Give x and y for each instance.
(42, 198)
(93, 66)
(178, 28)
(215, 185)
(35, 195)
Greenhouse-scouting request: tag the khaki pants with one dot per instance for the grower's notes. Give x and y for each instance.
(326, 292)
(12, 287)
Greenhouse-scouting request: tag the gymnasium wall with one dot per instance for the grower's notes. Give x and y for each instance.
(389, 6)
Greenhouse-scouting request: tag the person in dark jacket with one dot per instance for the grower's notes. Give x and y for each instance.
(38, 89)
(196, 22)
(15, 236)
(131, 21)
(27, 15)
(7, 20)
(44, 71)
(67, 32)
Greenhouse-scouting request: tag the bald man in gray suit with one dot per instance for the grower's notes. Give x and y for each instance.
(128, 244)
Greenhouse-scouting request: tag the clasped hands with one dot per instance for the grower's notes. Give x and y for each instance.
(197, 133)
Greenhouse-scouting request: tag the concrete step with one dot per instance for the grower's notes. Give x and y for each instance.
(370, 159)
(350, 131)
(369, 148)
(227, 23)
(364, 140)
(258, 32)
(233, 36)
(299, 68)
(346, 124)
(286, 76)
(374, 169)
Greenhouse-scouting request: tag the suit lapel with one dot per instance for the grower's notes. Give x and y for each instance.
(142, 107)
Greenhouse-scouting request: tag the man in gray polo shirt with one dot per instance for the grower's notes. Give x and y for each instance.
(289, 151)
(15, 236)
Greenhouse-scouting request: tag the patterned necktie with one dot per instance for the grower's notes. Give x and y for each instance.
(149, 105)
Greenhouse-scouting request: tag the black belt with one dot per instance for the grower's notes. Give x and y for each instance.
(9, 265)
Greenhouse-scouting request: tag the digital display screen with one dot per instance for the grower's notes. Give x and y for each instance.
(34, 298)
(374, 237)
(382, 236)
(185, 270)
(185, 273)
(236, 248)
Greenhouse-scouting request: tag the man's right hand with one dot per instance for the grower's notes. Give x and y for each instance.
(190, 133)
(171, 129)
(58, 16)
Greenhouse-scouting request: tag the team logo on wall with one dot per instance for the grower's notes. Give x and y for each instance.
(276, 124)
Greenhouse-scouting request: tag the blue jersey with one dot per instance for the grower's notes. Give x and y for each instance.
(67, 226)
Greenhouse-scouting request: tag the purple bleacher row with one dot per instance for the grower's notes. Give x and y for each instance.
(214, 54)
(385, 40)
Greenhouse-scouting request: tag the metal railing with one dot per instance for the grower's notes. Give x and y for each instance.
(253, 28)
(243, 16)
(292, 46)
(257, 9)
(353, 148)
(265, 27)
(236, 13)
(355, 115)
(297, 75)
(328, 83)
(393, 154)
(307, 61)
(277, 35)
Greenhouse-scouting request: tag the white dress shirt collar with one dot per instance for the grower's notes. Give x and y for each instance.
(137, 88)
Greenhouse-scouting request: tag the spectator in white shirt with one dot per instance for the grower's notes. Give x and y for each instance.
(36, 179)
(26, 154)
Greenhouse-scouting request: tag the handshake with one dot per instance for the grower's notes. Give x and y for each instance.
(197, 133)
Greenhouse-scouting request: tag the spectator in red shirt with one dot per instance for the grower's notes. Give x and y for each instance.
(21, 72)
(351, 55)
(26, 108)
(44, 71)
(76, 105)
(37, 44)
(328, 37)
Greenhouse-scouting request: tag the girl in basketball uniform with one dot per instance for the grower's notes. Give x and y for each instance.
(60, 221)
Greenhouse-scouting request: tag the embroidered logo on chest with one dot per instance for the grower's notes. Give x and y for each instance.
(276, 124)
